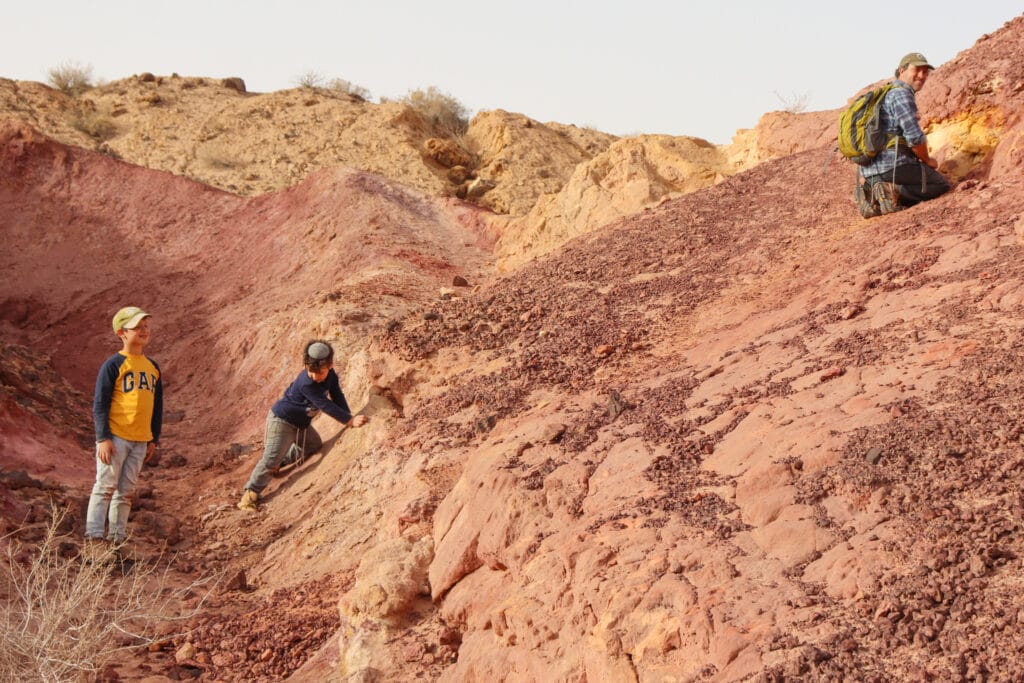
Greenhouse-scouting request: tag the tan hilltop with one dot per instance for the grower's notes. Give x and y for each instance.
(524, 171)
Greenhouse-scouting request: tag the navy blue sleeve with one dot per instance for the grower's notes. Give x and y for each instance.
(105, 380)
(158, 404)
(336, 406)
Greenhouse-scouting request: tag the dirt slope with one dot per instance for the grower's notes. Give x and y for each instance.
(803, 462)
(245, 143)
(742, 435)
(253, 143)
(632, 174)
(745, 434)
(235, 285)
(531, 175)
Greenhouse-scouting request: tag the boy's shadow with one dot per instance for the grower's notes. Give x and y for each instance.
(287, 479)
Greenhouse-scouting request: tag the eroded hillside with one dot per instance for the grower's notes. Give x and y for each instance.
(531, 175)
(741, 435)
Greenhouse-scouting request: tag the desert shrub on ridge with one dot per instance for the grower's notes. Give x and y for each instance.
(313, 80)
(309, 79)
(71, 78)
(439, 108)
(94, 121)
(348, 88)
(795, 103)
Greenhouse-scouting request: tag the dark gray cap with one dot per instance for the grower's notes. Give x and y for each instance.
(318, 351)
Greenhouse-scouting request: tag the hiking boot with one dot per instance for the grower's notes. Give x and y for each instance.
(863, 195)
(887, 195)
(248, 502)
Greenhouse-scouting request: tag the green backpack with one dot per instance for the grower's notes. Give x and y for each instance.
(860, 135)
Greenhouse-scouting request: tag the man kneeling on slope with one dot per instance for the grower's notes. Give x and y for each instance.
(902, 174)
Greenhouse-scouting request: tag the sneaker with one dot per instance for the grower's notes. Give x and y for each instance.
(887, 195)
(248, 502)
(863, 195)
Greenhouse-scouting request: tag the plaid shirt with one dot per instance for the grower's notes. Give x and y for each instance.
(898, 115)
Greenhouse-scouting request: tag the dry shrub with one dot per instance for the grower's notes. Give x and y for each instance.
(71, 78)
(443, 111)
(95, 122)
(348, 88)
(794, 103)
(64, 616)
(310, 79)
(218, 157)
(313, 80)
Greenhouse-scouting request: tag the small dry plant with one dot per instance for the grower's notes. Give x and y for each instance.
(96, 122)
(65, 616)
(310, 79)
(218, 156)
(794, 103)
(348, 88)
(71, 78)
(442, 110)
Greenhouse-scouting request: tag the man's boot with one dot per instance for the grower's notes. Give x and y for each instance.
(248, 502)
(866, 203)
(888, 196)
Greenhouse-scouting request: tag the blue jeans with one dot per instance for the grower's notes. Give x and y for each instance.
(111, 494)
(279, 437)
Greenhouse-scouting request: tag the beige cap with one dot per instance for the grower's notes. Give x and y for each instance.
(128, 318)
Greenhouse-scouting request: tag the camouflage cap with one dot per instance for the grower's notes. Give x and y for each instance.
(913, 59)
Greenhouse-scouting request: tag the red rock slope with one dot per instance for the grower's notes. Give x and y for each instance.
(746, 435)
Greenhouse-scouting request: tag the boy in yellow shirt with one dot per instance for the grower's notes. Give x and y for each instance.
(127, 411)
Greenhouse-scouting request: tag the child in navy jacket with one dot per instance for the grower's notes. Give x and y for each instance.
(289, 434)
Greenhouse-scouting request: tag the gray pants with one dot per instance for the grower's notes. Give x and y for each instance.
(279, 438)
(917, 182)
(111, 498)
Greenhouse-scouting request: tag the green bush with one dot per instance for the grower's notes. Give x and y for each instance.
(71, 78)
(443, 111)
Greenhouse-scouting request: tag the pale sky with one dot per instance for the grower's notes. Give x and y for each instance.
(683, 68)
